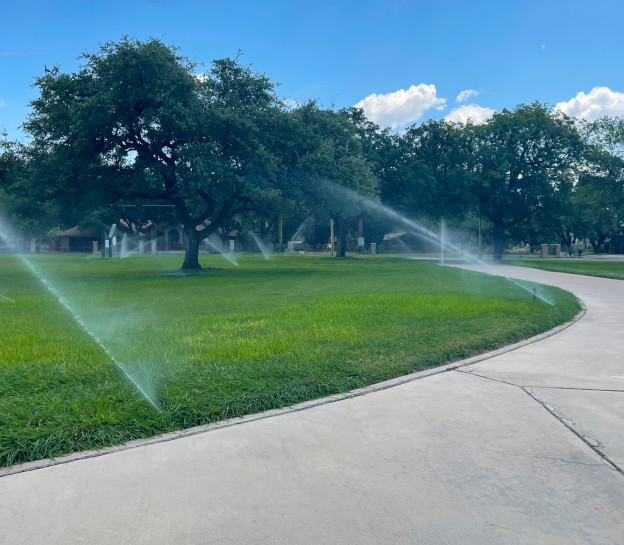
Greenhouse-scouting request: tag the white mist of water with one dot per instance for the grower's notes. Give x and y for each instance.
(124, 252)
(37, 273)
(5, 298)
(223, 253)
(131, 245)
(444, 244)
(326, 186)
(442, 239)
(261, 246)
(405, 247)
(298, 236)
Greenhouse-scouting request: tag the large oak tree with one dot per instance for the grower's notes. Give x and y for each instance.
(526, 162)
(137, 124)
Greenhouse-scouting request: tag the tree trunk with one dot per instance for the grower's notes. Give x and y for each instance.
(566, 238)
(191, 249)
(341, 234)
(597, 242)
(499, 241)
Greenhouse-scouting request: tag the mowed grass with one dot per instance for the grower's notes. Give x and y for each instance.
(227, 341)
(605, 269)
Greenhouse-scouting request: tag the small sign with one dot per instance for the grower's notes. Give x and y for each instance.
(360, 241)
(106, 243)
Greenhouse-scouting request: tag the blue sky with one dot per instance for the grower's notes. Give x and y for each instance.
(411, 59)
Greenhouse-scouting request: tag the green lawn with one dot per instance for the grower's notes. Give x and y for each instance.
(227, 341)
(606, 269)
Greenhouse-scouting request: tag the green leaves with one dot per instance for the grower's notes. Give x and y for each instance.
(136, 125)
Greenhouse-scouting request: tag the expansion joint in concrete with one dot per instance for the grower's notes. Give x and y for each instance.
(570, 425)
(485, 377)
(616, 390)
(591, 443)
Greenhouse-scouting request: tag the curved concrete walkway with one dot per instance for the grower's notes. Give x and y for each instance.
(526, 447)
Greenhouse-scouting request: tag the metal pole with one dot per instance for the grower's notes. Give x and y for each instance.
(331, 236)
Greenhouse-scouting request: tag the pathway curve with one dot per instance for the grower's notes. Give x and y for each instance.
(526, 447)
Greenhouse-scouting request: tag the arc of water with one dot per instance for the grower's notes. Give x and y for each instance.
(325, 185)
(57, 295)
(227, 256)
(123, 368)
(125, 247)
(444, 244)
(299, 230)
(262, 247)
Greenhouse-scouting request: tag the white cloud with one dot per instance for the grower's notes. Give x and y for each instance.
(466, 94)
(401, 107)
(476, 114)
(290, 103)
(598, 102)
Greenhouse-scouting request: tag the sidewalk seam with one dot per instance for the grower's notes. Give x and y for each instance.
(596, 449)
(604, 457)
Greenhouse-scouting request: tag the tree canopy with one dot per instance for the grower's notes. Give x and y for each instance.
(525, 162)
(139, 124)
(331, 169)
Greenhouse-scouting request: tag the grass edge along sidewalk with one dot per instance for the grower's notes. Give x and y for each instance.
(587, 267)
(230, 341)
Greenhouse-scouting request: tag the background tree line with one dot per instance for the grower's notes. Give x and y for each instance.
(137, 124)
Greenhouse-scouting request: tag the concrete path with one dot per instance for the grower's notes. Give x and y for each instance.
(523, 448)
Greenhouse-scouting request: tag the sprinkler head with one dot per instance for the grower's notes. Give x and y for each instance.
(534, 293)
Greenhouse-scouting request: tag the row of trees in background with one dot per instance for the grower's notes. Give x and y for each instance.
(137, 125)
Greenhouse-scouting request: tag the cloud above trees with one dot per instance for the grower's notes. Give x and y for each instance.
(600, 101)
(397, 109)
(470, 112)
(405, 106)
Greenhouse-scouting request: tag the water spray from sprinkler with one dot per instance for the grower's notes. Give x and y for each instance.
(225, 255)
(57, 295)
(261, 246)
(345, 195)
